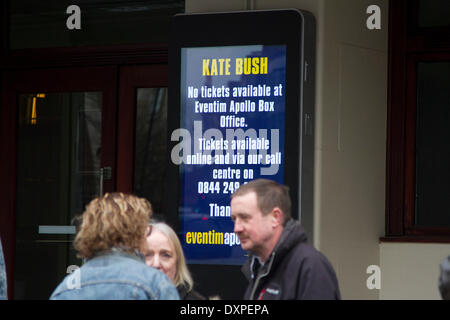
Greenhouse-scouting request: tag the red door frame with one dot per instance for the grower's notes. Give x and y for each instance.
(47, 80)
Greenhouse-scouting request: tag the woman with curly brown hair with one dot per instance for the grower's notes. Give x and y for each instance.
(111, 235)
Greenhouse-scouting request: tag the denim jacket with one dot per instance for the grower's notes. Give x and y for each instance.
(3, 293)
(115, 275)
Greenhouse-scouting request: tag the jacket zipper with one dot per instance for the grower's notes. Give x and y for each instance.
(259, 277)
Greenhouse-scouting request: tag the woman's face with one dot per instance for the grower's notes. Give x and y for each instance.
(161, 254)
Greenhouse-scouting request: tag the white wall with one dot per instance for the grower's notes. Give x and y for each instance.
(411, 270)
(351, 142)
(350, 132)
(196, 6)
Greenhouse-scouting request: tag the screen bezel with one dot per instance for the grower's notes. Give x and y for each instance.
(286, 29)
(274, 27)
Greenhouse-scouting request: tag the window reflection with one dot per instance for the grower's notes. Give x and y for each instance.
(42, 24)
(151, 145)
(434, 13)
(58, 160)
(432, 144)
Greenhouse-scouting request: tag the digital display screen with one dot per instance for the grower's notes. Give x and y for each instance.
(232, 130)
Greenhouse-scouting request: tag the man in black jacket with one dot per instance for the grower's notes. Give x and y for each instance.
(281, 264)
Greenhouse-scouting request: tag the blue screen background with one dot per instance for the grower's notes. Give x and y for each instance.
(194, 210)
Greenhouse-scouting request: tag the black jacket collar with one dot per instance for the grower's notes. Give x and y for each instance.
(292, 234)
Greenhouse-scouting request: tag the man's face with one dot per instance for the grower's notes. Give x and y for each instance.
(254, 229)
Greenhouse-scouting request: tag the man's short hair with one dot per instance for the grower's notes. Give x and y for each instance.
(269, 194)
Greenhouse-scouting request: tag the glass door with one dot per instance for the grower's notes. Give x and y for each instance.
(65, 138)
(142, 135)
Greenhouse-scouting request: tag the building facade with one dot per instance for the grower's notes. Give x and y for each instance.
(84, 107)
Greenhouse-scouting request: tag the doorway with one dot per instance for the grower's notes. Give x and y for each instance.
(69, 135)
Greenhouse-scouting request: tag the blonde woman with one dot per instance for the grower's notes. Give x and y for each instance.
(164, 253)
(112, 233)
